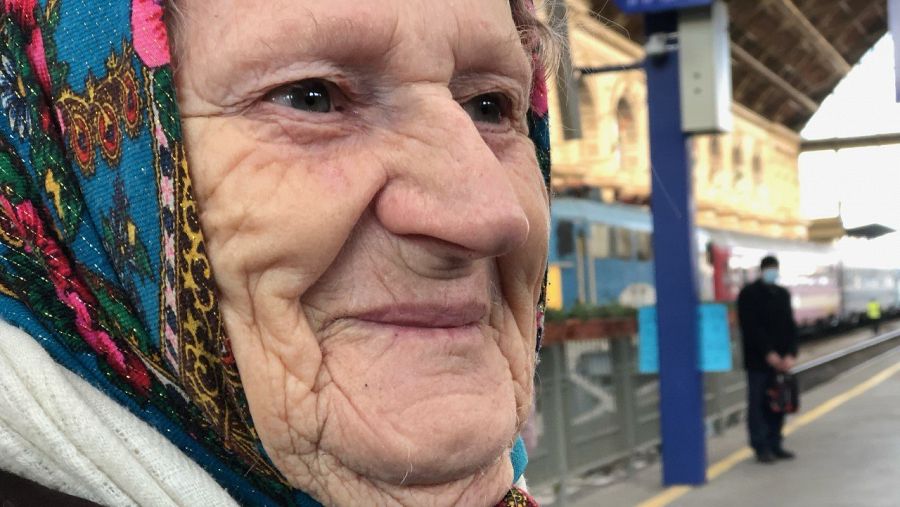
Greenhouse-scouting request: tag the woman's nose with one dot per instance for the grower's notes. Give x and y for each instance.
(446, 183)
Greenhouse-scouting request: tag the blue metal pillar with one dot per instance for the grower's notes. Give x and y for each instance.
(674, 248)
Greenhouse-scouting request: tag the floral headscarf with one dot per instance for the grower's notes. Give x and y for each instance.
(102, 257)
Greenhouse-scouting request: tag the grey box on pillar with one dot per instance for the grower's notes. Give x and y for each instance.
(705, 63)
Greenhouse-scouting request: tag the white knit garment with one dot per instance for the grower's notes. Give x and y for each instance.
(61, 432)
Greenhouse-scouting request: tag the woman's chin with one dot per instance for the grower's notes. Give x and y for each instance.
(439, 443)
(419, 414)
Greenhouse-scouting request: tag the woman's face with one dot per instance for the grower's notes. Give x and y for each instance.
(377, 226)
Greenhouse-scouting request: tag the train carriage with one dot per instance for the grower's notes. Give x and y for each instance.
(601, 255)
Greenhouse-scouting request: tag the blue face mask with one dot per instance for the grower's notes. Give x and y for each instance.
(770, 275)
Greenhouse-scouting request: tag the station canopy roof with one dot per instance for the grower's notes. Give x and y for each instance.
(787, 55)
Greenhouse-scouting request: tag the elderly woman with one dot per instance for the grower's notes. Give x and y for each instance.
(311, 276)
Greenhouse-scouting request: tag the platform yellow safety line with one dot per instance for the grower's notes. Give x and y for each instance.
(728, 463)
(666, 497)
(673, 493)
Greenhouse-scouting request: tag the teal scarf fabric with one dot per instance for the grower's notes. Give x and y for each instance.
(102, 257)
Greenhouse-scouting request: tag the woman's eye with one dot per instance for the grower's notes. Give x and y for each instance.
(310, 95)
(487, 108)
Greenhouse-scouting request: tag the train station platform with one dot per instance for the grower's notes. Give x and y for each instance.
(847, 440)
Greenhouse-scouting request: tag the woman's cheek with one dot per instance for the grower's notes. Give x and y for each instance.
(263, 203)
(529, 261)
(526, 266)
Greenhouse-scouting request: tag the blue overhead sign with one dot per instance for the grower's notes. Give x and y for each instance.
(638, 6)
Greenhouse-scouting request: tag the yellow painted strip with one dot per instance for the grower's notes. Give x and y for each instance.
(673, 493)
(728, 463)
(554, 287)
(666, 497)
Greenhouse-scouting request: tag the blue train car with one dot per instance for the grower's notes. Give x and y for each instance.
(603, 252)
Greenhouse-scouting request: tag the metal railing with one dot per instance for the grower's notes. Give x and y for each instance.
(594, 409)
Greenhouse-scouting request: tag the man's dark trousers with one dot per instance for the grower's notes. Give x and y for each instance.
(764, 425)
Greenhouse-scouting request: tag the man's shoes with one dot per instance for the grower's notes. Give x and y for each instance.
(765, 457)
(782, 454)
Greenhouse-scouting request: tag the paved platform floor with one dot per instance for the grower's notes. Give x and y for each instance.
(847, 438)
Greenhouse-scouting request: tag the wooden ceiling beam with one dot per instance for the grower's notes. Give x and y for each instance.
(761, 99)
(828, 52)
(856, 21)
(796, 95)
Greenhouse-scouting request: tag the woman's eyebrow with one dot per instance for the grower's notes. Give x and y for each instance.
(505, 60)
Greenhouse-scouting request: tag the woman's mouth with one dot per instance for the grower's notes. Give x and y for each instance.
(427, 314)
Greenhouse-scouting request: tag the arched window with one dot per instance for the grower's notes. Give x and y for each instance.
(715, 157)
(590, 121)
(586, 103)
(757, 169)
(627, 143)
(737, 162)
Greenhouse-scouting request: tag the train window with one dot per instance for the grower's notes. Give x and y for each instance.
(644, 246)
(622, 245)
(565, 238)
(599, 245)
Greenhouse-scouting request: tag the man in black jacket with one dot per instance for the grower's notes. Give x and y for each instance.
(770, 346)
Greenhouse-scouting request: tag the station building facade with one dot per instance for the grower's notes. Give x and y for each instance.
(746, 180)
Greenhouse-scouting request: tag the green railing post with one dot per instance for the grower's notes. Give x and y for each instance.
(625, 395)
(558, 416)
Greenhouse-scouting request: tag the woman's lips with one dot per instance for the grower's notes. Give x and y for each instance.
(427, 315)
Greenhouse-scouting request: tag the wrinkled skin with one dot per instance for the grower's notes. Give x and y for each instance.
(379, 263)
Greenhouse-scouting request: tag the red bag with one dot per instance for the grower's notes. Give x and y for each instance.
(784, 395)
